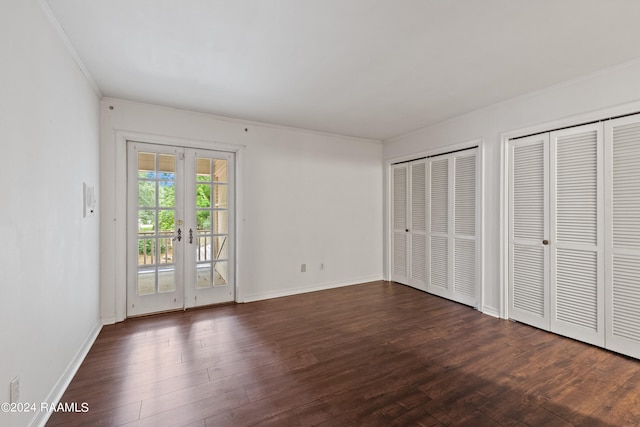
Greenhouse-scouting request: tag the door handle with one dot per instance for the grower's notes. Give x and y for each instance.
(545, 242)
(178, 236)
(190, 236)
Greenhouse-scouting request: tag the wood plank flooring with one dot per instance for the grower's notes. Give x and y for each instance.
(375, 354)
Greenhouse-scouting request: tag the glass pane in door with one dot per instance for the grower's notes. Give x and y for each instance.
(212, 228)
(156, 223)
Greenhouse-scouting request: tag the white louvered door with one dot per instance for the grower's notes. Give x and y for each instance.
(438, 266)
(453, 226)
(465, 240)
(418, 224)
(585, 283)
(622, 274)
(576, 233)
(400, 221)
(528, 230)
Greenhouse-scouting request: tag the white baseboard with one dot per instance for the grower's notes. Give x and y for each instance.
(303, 290)
(63, 382)
(108, 320)
(490, 311)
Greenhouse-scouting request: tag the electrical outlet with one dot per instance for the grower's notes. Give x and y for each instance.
(303, 268)
(14, 389)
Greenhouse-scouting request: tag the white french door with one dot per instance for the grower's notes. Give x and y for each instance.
(209, 212)
(180, 250)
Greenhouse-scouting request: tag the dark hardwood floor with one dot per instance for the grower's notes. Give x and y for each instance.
(376, 354)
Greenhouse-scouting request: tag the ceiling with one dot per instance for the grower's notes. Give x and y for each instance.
(366, 68)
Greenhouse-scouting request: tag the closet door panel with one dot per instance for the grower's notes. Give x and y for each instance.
(576, 241)
(465, 269)
(528, 231)
(622, 283)
(439, 247)
(399, 212)
(418, 220)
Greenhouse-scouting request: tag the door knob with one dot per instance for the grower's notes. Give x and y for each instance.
(545, 242)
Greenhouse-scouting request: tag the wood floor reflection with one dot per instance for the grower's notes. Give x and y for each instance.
(366, 355)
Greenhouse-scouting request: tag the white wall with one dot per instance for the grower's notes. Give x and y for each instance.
(49, 121)
(612, 91)
(305, 198)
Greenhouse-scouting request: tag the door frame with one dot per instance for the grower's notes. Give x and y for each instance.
(119, 249)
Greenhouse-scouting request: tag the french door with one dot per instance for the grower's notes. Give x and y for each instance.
(180, 250)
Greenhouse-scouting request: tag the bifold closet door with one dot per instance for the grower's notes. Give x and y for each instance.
(576, 238)
(400, 222)
(409, 223)
(439, 236)
(452, 227)
(528, 231)
(465, 223)
(556, 255)
(622, 275)
(418, 224)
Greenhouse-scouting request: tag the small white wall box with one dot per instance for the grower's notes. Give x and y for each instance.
(89, 199)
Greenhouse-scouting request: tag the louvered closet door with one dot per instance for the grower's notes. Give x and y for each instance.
(438, 237)
(622, 275)
(528, 228)
(418, 224)
(576, 233)
(399, 213)
(465, 241)
(452, 232)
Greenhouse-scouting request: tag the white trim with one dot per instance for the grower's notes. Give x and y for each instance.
(239, 222)
(307, 289)
(491, 311)
(577, 120)
(72, 50)
(437, 151)
(151, 138)
(504, 229)
(480, 224)
(120, 227)
(250, 122)
(108, 320)
(63, 382)
(387, 227)
(120, 215)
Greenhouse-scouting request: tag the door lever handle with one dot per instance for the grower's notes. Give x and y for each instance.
(178, 236)
(190, 236)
